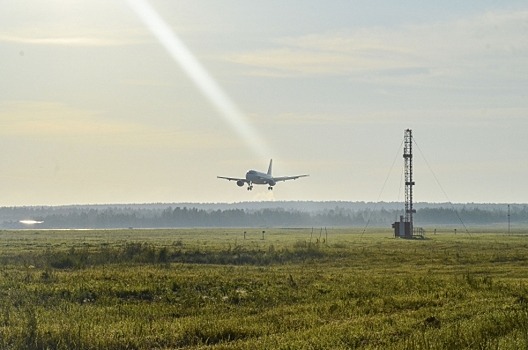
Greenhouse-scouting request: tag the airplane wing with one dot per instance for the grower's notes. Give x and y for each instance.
(232, 178)
(284, 178)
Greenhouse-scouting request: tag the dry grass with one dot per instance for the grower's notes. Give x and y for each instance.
(198, 289)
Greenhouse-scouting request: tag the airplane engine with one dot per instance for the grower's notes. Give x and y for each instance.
(272, 183)
(240, 183)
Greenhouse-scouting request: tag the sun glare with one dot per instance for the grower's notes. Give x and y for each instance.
(30, 222)
(199, 75)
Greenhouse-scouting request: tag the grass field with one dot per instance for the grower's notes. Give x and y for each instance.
(281, 289)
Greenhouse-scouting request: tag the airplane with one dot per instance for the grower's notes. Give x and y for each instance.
(254, 177)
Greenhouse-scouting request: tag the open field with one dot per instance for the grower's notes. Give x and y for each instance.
(282, 289)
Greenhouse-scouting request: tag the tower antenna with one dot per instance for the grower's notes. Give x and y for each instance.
(405, 227)
(409, 183)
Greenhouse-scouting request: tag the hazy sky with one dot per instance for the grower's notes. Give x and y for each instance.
(101, 103)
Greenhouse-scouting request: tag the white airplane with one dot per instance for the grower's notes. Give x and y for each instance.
(254, 177)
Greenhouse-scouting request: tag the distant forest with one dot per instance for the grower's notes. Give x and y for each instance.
(258, 214)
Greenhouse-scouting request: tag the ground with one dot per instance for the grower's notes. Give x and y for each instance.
(273, 289)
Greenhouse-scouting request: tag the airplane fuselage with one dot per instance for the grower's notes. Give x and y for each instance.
(258, 178)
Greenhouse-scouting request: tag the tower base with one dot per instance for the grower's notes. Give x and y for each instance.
(404, 229)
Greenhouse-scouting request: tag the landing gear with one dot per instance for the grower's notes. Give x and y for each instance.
(250, 188)
(270, 188)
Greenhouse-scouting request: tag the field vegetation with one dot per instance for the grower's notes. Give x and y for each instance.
(254, 289)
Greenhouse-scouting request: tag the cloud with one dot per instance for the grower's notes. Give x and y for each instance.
(56, 121)
(36, 118)
(498, 117)
(50, 39)
(304, 61)
(457, 47)
(74, 23)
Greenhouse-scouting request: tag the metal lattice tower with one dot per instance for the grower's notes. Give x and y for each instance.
(409, 183)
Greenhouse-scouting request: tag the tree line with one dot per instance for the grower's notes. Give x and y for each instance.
(168, 217)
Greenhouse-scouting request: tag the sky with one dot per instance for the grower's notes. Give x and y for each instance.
(148, 101)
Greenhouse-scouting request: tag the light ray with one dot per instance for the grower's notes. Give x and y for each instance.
(199, 75)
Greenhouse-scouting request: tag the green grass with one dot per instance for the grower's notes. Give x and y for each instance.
(284, 289)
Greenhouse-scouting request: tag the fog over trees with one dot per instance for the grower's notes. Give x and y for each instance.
(258, 214)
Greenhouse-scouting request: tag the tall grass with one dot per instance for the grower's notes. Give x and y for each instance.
(216, 290)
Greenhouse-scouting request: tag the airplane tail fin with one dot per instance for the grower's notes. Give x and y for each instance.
(269, 168)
